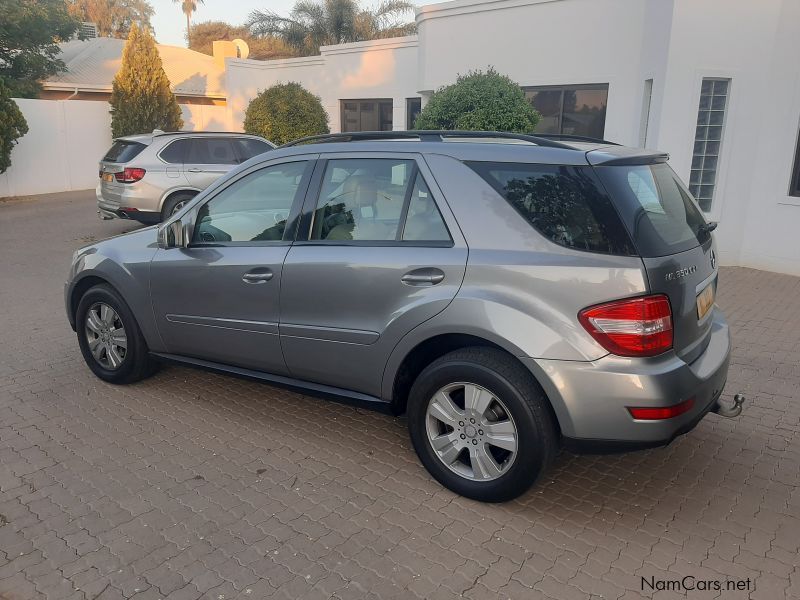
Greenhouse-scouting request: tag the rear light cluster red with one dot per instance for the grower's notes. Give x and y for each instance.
(631, 327)
(129, 175)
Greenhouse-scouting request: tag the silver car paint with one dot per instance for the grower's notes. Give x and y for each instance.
(345, 321)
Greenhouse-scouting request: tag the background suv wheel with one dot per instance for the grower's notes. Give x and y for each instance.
(481, 425)
(175, 203)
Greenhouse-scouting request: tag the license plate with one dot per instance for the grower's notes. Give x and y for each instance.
(108, 177)
(705, 300)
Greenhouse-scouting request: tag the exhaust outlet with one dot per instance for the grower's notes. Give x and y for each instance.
(728, 411)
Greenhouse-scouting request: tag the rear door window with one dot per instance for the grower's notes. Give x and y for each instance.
(123, 151)
(566, 204)
(211, 151)
(656, 208)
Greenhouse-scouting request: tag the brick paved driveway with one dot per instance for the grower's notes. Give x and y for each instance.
(195, 485)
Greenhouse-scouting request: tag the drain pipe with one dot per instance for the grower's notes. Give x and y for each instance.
(71, 96)
(730, 411)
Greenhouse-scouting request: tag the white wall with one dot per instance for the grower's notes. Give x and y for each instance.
(67, 138)
(376, 69)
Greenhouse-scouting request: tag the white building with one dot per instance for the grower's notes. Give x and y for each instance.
(716, 83)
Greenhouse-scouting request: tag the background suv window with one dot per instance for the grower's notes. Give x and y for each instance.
(175, 152)
(211, 151)
(255, 208)
(376, 200)
(247, 148)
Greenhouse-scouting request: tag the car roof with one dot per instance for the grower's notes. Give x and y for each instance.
(476, 146)
(147, 138)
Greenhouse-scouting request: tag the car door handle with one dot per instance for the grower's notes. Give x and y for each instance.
(195, 170)
(260, 276)
(423, 277)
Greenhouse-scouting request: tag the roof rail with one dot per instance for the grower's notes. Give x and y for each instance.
(423, 136)
(575, 138)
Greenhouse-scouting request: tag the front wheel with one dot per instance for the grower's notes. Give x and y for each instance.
(481, 425)
(110, 339)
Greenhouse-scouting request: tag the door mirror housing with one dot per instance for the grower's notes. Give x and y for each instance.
(175, 234)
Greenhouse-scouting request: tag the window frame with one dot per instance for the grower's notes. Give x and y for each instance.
(292, 222)
(377, 101)
(569, 87)
(713, 208)
(409, 101)
(305, 228)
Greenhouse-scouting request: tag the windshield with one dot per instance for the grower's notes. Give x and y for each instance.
(657, 209)
(123, 150)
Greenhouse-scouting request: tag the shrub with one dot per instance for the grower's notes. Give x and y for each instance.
(285, 112)
(12, 126)
(479, 101)
(141, 99)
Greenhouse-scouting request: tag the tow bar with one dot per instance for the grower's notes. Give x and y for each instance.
(730, 411)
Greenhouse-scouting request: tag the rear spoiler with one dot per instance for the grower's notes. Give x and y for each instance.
(620, 155)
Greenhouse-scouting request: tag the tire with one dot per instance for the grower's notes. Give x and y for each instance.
(517, 402)
(135, 362)
(174, 201)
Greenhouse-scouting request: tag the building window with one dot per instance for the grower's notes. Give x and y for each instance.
(571, 110)
(794, 188)
(367, 115)
(413, 108)
(646, 100)
(708, 140)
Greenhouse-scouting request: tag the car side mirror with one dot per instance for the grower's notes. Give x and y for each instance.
(175, 234)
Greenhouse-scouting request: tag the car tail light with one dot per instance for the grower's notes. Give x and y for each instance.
(130, 175)
(631, 327)
(657, 414)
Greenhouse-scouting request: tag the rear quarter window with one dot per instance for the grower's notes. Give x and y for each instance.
(566, 204)
(123, 151)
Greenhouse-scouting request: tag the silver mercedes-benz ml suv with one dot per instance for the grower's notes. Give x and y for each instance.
(510, 294)
(149, 177)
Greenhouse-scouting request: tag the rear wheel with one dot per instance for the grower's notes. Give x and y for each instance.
(481, 425)
(175, 203)
(110, 339)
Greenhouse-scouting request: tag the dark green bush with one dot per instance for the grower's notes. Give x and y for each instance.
(479, 101)
(284, 113)
(12, 126)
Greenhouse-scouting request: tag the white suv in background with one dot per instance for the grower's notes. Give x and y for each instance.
(149, 177)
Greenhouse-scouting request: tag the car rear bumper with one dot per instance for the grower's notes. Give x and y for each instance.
(591, 399)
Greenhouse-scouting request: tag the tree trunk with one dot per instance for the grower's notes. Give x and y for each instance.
(188, 24)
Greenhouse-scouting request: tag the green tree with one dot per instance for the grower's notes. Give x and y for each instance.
(479, 101)
(141, 99)
(203, 35)
(29, 34)
(188, 7)
(315, 23)
(284, 113)
(112, 17)
(12, 126)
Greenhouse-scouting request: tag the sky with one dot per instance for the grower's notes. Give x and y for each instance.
(170, 23)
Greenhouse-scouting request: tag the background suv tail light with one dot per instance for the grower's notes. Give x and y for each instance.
(631, 327)
(130, 175)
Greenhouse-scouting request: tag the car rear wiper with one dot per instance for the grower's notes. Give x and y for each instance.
(708, 227)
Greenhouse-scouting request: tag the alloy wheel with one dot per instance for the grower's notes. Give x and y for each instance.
(106, 336)
(471, 431)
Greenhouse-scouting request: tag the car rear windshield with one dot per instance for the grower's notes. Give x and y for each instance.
(656, 208)
(123, 151)
(566, 204)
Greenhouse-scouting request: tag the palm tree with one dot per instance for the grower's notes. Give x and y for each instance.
(315, 23)
(188, 7)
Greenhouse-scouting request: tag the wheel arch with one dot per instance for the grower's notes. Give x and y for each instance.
(415, 359)
(181, 190)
